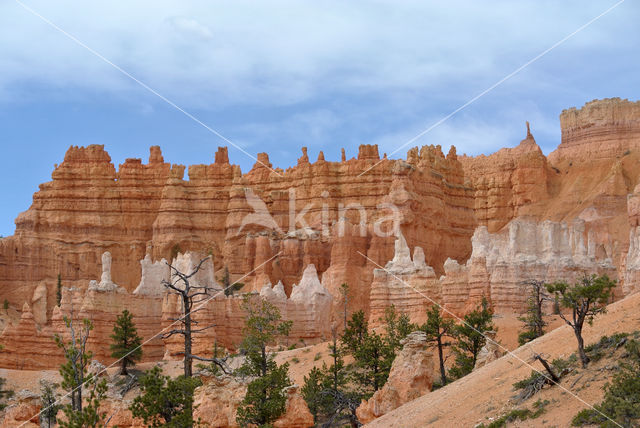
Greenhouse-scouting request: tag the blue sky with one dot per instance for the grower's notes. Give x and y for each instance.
(277, 75)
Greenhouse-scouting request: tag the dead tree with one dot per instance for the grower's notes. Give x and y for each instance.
(77, 357)
(534, 323)
(191, 295)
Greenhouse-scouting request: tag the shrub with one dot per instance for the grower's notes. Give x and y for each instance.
(621, 404)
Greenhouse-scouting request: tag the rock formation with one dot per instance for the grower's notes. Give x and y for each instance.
(411, 376)
(452, 227)
(631, 265)
(408, 284)
(601, 129)
(498, 269)
(30, 345)
(510, 183)
(21, 412)
(490, 352)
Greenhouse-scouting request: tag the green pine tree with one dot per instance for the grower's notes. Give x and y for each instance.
(325, 389)
(586, 298)
(89, 416)
(355, 333)
(312, 392)
(77, 358)
(438, 329)
(265, 399)
(397, 327)
(373, 354)
(49, 401)
(127, 345)
(76, 380)
(165, 402)
(470, 339)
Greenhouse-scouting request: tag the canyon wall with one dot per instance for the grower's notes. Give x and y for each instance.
(242, 220)
(455, 228)
(500, 266)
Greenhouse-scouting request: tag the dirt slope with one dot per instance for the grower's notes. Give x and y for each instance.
(488, 393)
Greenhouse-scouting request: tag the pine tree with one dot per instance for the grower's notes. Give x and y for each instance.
(90, 415)
(398, 327)
(312, 391)
(324, 389)
(227, 286)
(438, 329)
(127, 345)
(336, 373)
(470, 339)
(74, 370)
(76, 380)
(265, 400)
(373, 354)
(534, 320)
(4, 393)
(356, 332)
(586, 299)
(218, 355)
(49, 401)
(165, 402)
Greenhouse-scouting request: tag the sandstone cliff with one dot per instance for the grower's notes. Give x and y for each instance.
(466, 227)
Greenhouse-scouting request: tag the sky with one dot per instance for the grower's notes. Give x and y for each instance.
(274, 76)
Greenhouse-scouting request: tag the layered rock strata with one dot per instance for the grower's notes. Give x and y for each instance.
(90, 207)
(475, 226)
(499, 268)
(601, 129)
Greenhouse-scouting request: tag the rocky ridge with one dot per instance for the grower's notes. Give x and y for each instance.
(455, 228)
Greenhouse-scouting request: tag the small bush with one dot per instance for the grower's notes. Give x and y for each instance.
(295, 360)
(596, 350)
(621, 403)
(317, 357)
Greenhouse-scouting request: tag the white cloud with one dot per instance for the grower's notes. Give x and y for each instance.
(211, 55)
(191, 26)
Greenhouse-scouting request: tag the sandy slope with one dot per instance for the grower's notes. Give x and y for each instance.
(487, 393)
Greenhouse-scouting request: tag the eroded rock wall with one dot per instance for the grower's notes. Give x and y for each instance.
(90, 207)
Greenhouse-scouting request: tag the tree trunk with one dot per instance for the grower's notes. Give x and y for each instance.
(539, 301)
(544, 362)
(187, 337)
(124, 372)
(583, 355)
(443, 373)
